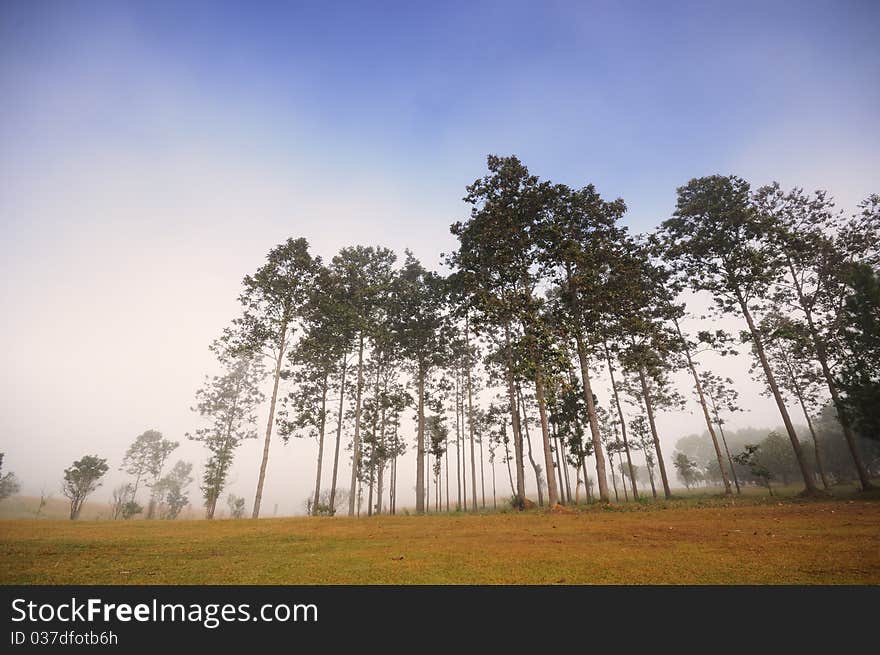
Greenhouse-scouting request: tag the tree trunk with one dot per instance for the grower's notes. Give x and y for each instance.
(482, 472)
(356, 443)
(509, 472)
(821, 355)
(470, 416)
(321, 429)
(587, 489)
(614, 479)
(632, 476)
(810, 486)
(446, 467)
(534, 464)
(598, 453)
(420, 445)
(458, 435)
(649, 408)
(800, 396)
(552, 488)
(514, 422)
(258, 496)
(699, 387)
(651, 479)
(338, 433)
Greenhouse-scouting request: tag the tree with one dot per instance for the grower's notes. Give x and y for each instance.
(576, 237)
(229, 402)
(790, 357)
(145, 459)
(713, 238)
(272, 303)
(171, 490)
(721, 395)
(119, 499)
(9, 484)
(751, 457)
(494, 266)
(81, 479)
(236, 506)
(859, 377)
(813, 251)
(421, 332)
(363, 278)
(686, 469)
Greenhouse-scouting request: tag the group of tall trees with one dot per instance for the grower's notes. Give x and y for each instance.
(547, 292)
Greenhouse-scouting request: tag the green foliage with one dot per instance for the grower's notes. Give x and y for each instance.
(9, 484)
(859, 377)
(236, 506)
(131, 509)
(81, 479)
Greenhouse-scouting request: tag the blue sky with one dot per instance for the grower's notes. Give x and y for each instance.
(153, 152)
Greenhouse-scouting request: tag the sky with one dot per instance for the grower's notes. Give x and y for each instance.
(153, 152)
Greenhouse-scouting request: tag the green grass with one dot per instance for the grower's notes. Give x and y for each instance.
(695, 539)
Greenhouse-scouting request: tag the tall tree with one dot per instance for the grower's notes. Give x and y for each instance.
(576, 236)
(81, 479)
(272, 301)
(813, 249)
(713, 238)
(364, 276)
(788, 352)
(721, 395)
(229, 403)
(421, 332)
(495, 264)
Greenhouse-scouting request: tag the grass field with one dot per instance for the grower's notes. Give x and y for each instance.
(692, 541)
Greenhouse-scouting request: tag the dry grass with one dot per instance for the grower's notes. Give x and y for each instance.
(827, 542)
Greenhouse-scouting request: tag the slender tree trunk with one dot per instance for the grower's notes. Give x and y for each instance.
(458, 435)
(338, 434)
(470, 415)
(446, 467)
(651, 479)
(822, 356)
(632, 476)
(598, 453)
(420, 445)
(552, 489)
(614, 479)
(622, 481)
(800, 396)
(514, 422)
(727, 451)
(258, 496)
(699, 387)
(354, 493)
(509, 472)
(587, 489)
(482, 472)
(564, 489)
(535, 467)
(379, 486)
(494, 494)
(649, 408)
(810, 486)
(321, 429)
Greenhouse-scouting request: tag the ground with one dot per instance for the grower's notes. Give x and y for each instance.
(692, 541)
